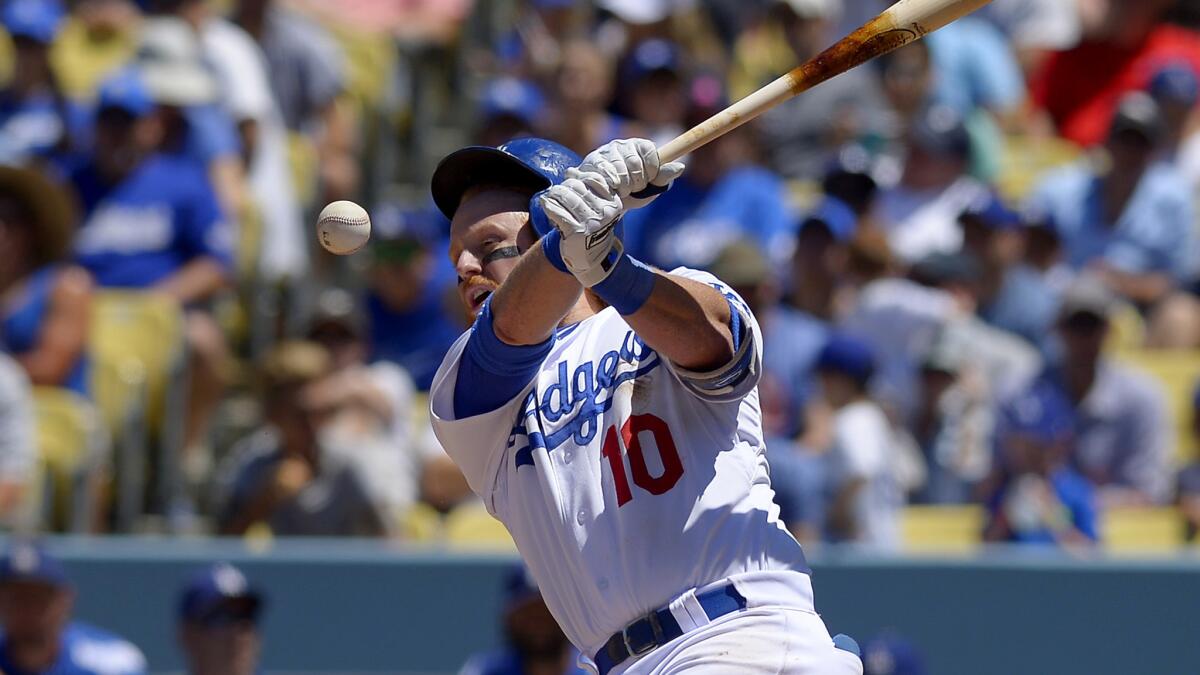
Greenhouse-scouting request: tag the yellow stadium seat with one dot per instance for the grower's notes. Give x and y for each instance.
(1025, 158)
(942, 529)
(1177, 373)
(72, 449)
(470, 526)
(137, 345)
(1141, 530)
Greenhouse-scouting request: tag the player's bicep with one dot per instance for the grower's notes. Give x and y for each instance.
(739, 376)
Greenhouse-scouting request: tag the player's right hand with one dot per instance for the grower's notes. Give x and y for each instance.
(585, 211)
(629, 166)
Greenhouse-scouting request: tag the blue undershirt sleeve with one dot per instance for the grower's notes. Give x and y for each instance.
(491, 373)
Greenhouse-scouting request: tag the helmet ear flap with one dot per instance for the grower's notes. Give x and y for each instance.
(537, 216)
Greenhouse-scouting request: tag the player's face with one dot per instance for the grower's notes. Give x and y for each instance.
(33, 612)
(487, 236)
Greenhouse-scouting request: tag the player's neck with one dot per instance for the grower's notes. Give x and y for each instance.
(588, 305)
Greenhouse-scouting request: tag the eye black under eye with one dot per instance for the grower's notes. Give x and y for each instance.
(501, 253)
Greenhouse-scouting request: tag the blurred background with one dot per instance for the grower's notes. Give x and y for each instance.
(974, 260)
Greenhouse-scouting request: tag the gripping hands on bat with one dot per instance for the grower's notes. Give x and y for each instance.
(586, 207)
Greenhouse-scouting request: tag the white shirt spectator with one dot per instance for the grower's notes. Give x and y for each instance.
(921, 223)
(1037, 24)
(863, 450)
(17, 452)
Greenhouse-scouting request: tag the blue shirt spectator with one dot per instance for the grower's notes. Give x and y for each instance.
(976, 68)
(692, 222)
(1037, 498)
(143, 229)
(35, 608)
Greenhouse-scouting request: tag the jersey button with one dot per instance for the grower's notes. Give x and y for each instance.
(568, 455)
(582, 516)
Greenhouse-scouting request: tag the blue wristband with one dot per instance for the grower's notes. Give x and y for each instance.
(550, 246)
(628, 286)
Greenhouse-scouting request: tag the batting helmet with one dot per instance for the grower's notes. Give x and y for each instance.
(529, 164)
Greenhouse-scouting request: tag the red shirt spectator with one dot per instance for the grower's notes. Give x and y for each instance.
(1082, 104)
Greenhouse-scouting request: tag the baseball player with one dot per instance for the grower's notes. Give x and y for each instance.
(607, 414)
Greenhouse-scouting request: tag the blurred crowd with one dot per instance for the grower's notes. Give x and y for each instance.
(961, 254)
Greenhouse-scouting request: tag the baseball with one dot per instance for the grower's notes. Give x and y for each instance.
(343, 227)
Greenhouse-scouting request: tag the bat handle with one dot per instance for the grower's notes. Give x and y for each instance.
(651, 191)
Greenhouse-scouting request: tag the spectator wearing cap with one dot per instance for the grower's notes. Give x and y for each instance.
(37, 120)
(1175, 87)
(952, 424)
(799, 135)
(792, 341)
(890, 654)
(866, 497)
(406, 307)
(98, 38)
(1080, 88)
(509, 108)
(725, 196)
(534, 644)
(152, 222)
(293, 476)
(652, 84)
(849, 177)
(1034, 496)
(819, 261)
(1121, 435)
(36, 602)
(1011, 296)
(1128, 219)
(582, 89)
(375, 402)
(45, 302)
(219, 616)
(920, 213)
(18, 454)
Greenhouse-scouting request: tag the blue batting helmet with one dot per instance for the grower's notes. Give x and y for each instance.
(530, 164)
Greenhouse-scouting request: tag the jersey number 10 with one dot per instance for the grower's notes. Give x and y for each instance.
(631, 436)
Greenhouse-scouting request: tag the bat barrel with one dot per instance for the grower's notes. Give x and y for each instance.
(904, 22)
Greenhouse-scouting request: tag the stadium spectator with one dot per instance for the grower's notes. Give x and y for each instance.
(1121, 439)
(920, 214)
(152, 222)
(534, 47)
(866, 497)
(1011, 296)
(1080, 88)
(18, 453)
(819, 262)
(890, 654)
(849, 177)
(509, 108)
(36, 602)
(582, 90)
(408, 282)
(534, 644)
(799, 135)
(652, 85)
(1187, 487)
(975, 69)
(45, 303)
(792, 341)
(219, 615)
(36, 118)
(306, 71)
(375, 403)
(1034, 496)
(723, 197)
(952, 424)
(292, 475)
(1036, 28)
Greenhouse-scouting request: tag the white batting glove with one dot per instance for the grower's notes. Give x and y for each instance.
(630, 166)
(585, 211)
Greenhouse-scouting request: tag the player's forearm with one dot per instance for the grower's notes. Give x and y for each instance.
(533, 300)
(686, 322)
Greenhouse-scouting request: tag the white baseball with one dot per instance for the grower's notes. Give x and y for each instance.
(343, 227)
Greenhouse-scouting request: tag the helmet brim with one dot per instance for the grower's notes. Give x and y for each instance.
(469, 167)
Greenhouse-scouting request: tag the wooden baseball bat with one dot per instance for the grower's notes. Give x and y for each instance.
(902, 23)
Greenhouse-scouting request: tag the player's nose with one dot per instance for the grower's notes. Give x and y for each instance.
(467, 265)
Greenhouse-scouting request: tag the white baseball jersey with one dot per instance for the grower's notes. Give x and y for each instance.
(623, 481)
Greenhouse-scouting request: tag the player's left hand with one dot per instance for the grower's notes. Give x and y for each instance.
(630, 166)
(585, 211)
